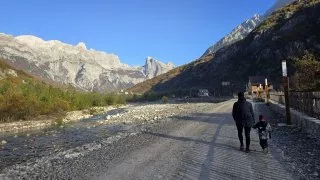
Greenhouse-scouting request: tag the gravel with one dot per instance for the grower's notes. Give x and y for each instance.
(32, 154)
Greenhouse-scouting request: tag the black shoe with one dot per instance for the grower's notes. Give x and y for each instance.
(241, 148)
(248, 150)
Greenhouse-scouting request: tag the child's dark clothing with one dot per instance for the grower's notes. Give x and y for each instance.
(264, 129)
(264, 143)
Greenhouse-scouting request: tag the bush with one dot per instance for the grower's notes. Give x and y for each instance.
(307, 73)
(150, 96)
(92, 111)
(16, 106)
(133, 98)
(59, 121)
(165, 99)
(61, 105)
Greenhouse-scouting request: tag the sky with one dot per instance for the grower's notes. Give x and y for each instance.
(178, 31)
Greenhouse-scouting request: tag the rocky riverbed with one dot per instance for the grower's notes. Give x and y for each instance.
(78, 137)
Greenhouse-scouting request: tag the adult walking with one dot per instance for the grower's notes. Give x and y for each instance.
(243, 116)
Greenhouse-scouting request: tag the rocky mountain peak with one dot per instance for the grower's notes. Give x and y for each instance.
(82, 45)
(153, 67)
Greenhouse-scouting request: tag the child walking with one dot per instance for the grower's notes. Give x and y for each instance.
(264, 130)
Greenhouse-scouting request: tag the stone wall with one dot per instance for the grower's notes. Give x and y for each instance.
(308, 124)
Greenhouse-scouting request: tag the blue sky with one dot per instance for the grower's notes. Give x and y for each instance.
(169, 30)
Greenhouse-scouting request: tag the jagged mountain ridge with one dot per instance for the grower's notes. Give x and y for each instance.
(76, 65)
(286, 34)
(242, 30)
(236, 34)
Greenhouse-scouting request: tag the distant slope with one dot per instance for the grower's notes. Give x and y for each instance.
(277, 5)
(236, 34)
(242, 30)
(7, 71)
(286, 34)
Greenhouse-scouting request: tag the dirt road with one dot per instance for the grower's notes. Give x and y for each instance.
(199, 144)
(204, 147)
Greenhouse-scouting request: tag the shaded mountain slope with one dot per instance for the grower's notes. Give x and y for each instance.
(286, 34)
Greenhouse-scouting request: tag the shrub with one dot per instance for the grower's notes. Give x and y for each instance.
(61, 105)
(59, 121)
(307, 73)
(93, 111)
(165, 99)
(150, 96)
(16, 106)
(4, 87)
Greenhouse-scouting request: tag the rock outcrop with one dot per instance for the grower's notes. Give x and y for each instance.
(76, 65)
(153, 67)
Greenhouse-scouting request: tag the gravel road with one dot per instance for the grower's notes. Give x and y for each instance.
(179, 141)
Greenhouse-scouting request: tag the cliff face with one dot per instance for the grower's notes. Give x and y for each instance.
(76, 65)
(153, 67)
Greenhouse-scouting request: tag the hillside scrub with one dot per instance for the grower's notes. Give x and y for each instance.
(21, 99)
(307, 73)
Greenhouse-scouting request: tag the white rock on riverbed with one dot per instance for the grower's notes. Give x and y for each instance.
(3, 142)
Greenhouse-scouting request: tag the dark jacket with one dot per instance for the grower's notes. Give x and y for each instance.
(242, 113)
(264, 129)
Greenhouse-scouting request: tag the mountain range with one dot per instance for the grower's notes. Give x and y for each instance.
(91, 70)
(287, 34)
(85, 69)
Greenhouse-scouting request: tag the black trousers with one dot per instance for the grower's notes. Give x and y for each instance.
(264, 143)
(246, 133)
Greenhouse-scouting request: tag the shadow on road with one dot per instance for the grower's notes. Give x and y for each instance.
(214, 118)
(215, 155)
(185, 139)
(199, 165)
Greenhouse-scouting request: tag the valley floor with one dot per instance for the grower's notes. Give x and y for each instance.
(160, 141)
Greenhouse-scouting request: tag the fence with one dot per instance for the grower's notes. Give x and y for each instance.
(306, 102)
